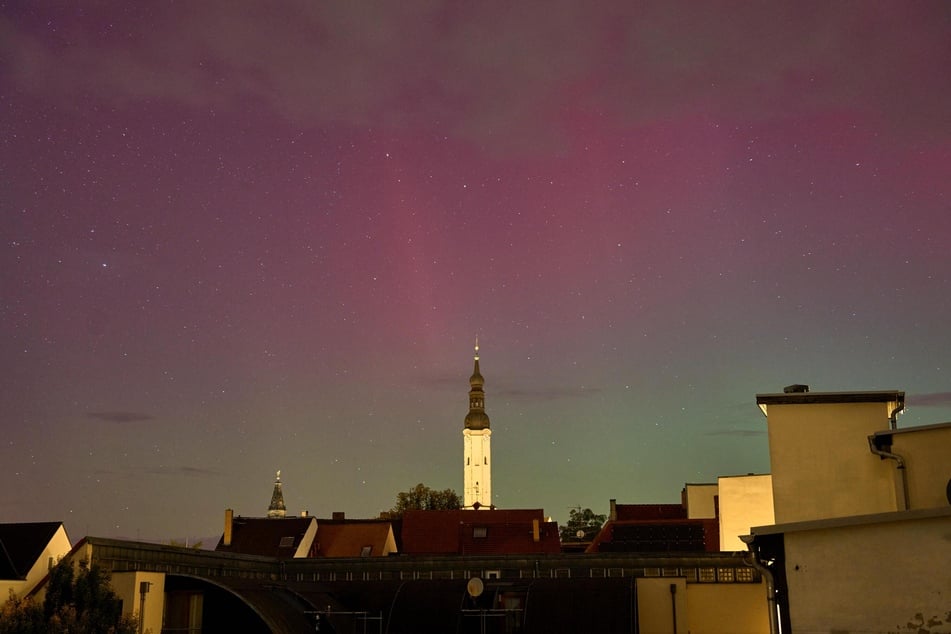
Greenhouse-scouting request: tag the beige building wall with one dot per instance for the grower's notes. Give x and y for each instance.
(701, 608)
(303, 549)
(701, 500)
(726, 608)
(927, 455)
(745, 501)
(885, 573)
(127, 586)
(820, 459)
(659, 611)
(57, 548)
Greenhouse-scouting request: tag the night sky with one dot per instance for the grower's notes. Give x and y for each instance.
(236, 240)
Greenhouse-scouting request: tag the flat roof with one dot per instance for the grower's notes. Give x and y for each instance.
(853, 520)
(907, 430)
(809, 398)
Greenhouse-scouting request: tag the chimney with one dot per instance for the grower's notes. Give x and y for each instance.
(304, 513)
(338, 515)
(229, 522)
(535, 532)
(613, 515)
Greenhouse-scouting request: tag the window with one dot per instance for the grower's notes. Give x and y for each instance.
(365, 551)
(725, 575)
(744, 575)
(708, 575)
(287, 542)
(479, 532)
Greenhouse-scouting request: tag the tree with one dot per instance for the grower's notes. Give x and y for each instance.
(422, 498)
(82, 603)
(582, 526)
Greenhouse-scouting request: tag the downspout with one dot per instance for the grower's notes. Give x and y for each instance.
(754, 562)
(893, 417)
(901, 486)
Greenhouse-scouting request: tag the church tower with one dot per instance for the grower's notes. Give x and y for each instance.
(277, 510)
(477, 483)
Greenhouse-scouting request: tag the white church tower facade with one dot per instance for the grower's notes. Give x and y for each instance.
(476, 436)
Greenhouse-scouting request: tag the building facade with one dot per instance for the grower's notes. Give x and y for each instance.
(861, 541)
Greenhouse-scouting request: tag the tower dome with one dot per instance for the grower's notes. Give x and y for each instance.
(476, 418)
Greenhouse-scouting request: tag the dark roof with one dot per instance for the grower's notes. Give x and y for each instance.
(266, 536)
(793, 398)
(650, 511)
(658, 536)
(460, 532)
(21, 545)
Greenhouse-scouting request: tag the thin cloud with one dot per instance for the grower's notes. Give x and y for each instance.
(741, 433)
(548, 393)
(192, 472)
(933, 399)
(119, 417)
(545, 393)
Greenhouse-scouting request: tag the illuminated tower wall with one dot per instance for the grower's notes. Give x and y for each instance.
(476, 435)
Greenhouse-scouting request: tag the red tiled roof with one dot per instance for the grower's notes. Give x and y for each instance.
(493, 532)
(347, 538)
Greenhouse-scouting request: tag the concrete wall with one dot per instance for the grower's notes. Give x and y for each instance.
(724, 608)
(126, 586)
(656, 605)
(927, 455)
(880, 576)
(821, 464)
(714, 608)
(745, 501)
(701, 500)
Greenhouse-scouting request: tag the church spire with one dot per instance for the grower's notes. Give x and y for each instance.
(476, 418)
(277, 509)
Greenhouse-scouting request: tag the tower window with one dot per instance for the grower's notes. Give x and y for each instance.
(486, 459)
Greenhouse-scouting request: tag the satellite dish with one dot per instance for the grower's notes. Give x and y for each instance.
(475, 587)
(580, 534)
